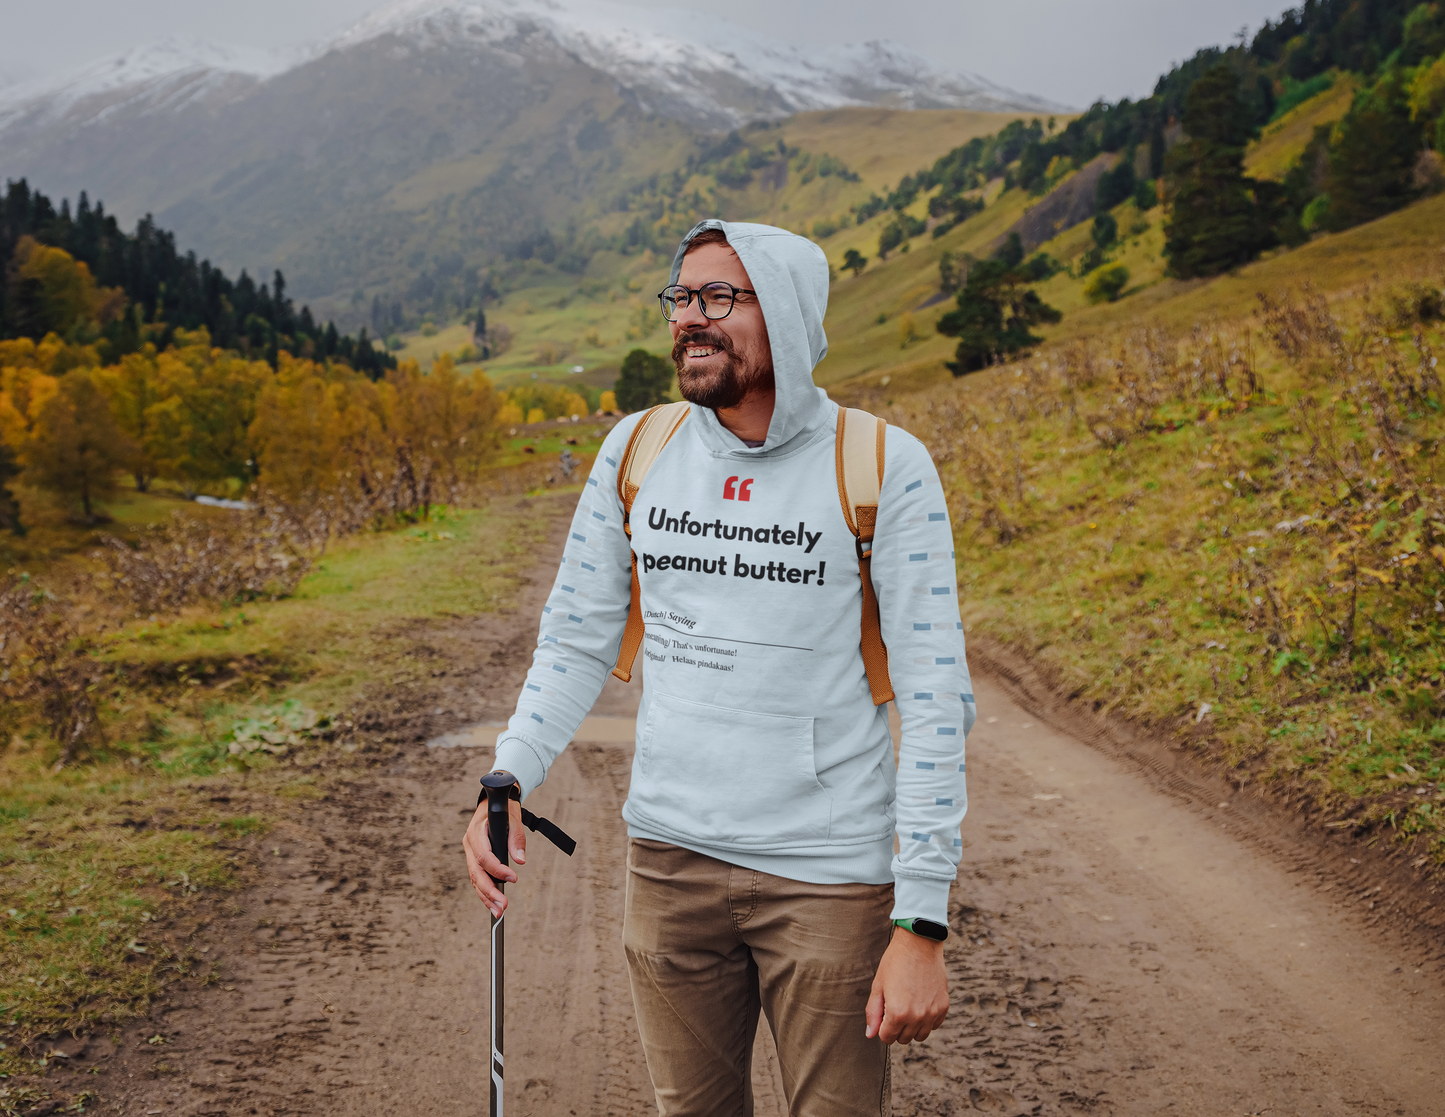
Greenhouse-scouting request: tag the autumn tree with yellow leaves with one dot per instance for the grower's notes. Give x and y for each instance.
(214, 422)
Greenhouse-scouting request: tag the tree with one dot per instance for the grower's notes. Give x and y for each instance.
(995, 310)
(198, 432)
(49, 291)
(9, 506)
(479, 333)
(1372, 160)
(1106, 230)
(1216, 220)
(854, 261)
(134, 388)
(645, 380)
(1115, 186)
(77, 446)
(950, 272)
(1011, 252)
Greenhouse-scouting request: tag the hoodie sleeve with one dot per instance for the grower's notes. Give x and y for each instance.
(581, 628)
(917, 586)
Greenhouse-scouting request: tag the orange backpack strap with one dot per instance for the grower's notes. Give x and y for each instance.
(648, 438)
(860, 449)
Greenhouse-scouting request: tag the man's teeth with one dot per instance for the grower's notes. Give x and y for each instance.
(701, 350)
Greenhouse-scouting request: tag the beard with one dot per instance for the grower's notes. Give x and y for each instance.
(720, 388)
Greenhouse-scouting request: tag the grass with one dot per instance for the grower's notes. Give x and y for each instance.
(1175, 554)
(108, 866)
(1283, 141)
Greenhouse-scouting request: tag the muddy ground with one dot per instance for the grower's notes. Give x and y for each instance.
(1132, 936)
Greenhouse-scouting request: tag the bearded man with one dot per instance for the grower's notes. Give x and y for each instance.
(765, 797)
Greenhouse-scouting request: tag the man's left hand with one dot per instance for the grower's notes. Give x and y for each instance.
(910, 992)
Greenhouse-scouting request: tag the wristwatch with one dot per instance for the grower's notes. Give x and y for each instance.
(923, 927)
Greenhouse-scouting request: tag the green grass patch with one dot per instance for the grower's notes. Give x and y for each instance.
(106, 865)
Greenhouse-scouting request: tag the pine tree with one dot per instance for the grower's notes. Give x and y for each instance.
(644, 381)
(1372, 162)
(1216, 221)
(996, 309)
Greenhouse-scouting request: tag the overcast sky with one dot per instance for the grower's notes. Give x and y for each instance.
(1072, 51)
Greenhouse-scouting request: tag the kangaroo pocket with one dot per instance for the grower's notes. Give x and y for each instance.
(729, 778)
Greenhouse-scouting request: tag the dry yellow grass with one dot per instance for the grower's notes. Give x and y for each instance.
(1284, 141)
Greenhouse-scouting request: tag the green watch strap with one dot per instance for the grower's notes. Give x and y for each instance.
(925, 928)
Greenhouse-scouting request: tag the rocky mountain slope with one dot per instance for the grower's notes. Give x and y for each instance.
(433, 133)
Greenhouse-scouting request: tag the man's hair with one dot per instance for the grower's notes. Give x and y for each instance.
(707, 236)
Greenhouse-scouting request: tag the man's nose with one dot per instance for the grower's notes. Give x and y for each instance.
(691, 317)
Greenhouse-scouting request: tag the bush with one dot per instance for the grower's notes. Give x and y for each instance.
(1107, 284)
(184, 561)
(1146, 195)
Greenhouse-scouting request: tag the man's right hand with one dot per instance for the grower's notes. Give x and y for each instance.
(482, 867)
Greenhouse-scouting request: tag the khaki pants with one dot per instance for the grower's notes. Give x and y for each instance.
(710, 944)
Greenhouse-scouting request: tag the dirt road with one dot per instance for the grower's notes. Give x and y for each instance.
(1123, 945)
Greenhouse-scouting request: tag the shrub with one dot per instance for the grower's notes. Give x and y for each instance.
(1106, 284)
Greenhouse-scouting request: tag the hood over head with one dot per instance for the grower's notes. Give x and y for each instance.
(790, 275)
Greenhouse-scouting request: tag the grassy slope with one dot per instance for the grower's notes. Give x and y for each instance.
(1284, 141)
(616, 294)
(104, 864)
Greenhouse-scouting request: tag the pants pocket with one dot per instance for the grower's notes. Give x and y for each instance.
(729, 778)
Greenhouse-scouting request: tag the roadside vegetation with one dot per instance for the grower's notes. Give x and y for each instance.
(208, 719)
(1233, 533)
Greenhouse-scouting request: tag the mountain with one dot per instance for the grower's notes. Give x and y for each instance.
(432, 136)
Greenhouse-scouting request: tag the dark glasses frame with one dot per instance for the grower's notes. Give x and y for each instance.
(684, 303)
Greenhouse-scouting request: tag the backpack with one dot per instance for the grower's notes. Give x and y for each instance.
(859, 466)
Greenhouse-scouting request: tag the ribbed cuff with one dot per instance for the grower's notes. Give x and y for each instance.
(515, 755)
(920, 898)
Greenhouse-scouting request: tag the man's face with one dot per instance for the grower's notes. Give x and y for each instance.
(719, 362)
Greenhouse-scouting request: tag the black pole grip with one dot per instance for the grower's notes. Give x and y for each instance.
(499, 787)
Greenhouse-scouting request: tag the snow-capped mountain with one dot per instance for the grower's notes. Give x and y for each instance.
(677, 63)
(692, 66)
(171, 73)
(432, 134)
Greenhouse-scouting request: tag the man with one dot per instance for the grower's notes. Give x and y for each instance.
(764, 798)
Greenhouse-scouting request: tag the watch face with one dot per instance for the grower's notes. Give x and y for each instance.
(930, 930)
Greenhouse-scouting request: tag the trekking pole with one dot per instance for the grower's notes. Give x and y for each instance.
(500, 788)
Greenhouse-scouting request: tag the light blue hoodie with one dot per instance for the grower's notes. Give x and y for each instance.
(758, 742)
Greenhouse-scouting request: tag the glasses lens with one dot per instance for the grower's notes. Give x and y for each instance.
(672, 298)
(717, 300)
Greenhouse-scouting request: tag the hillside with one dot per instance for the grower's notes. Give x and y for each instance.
(433, 141)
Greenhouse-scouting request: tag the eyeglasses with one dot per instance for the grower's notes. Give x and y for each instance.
(714, 299)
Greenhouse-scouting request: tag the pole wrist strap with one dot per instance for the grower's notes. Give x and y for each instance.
(544, 826)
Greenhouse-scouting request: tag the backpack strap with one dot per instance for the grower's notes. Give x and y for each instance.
(860, 449)
(648, 438)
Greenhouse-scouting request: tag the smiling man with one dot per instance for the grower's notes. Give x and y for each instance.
(765, 797)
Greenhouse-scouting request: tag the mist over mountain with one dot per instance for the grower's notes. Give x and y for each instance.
(473, 125)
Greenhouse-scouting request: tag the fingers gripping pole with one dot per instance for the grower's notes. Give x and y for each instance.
(499, 789)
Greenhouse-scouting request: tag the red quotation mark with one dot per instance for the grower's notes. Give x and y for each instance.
(733, 491)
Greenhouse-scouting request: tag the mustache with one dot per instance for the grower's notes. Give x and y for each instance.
(714, 338)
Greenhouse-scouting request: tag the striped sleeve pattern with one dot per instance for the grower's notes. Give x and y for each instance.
(581, 626)
(917, 585)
